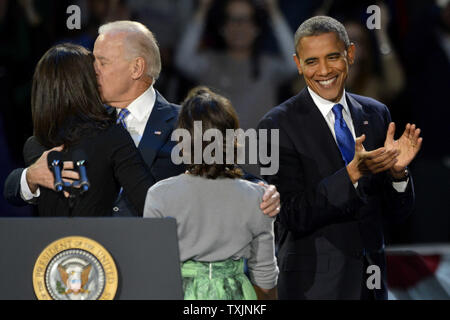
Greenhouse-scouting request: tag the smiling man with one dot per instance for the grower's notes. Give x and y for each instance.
(324, 61)
(341, 173)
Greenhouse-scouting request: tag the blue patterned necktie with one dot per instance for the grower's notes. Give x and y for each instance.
(344, 137)
(121, 117)
(121, 120)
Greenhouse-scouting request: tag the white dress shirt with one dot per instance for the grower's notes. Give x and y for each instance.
(325, 107)
(140, 110)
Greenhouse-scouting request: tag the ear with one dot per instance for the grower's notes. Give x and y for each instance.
(351, 53)
(138, 68)
(297, 62)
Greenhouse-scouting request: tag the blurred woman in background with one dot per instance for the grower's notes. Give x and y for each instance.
(236, 65)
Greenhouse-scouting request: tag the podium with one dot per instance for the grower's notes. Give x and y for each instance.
(35, 252)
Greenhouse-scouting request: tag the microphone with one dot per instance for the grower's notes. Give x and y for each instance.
(84, 182)
(80, 163)
(55, 164)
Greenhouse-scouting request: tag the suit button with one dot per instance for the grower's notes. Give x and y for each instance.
(116, 209)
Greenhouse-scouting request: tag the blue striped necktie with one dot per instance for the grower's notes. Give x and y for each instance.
(121, 120)
(121, 117)
(344, 137)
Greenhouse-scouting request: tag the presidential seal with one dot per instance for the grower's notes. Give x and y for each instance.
(75, 268)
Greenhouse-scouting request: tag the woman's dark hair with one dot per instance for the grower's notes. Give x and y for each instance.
(215, 112)
(65, 101)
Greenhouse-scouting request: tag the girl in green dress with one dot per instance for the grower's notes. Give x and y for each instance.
(219, 221)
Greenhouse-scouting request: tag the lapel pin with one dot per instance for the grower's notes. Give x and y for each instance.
(158, 133)
(366, 122)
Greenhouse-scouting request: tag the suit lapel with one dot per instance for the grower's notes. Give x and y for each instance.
(320, 140)
(360, 121)
(157, 130)
(357, 114)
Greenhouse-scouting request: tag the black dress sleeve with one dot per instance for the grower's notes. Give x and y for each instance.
(32, 150)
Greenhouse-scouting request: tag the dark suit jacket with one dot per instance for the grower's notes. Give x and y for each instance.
(327, 229)
(155, 148)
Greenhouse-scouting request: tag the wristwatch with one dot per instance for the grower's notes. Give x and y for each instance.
(404, 178)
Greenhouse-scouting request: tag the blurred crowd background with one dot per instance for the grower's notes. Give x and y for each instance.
(243, 49)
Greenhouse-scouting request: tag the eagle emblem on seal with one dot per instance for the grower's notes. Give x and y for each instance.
(74, 278)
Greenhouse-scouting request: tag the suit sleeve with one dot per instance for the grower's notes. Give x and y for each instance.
(399, 205)
(32, 150)
(11, 190)
(306, 206)
(129, 168)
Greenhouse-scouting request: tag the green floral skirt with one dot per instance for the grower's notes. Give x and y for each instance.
(221, 280)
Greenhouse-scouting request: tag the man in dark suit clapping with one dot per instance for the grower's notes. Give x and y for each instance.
(341, 172)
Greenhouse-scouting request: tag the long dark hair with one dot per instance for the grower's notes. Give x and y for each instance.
(215, 112)
(65, 101)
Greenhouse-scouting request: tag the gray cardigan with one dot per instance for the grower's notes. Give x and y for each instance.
(218, 220)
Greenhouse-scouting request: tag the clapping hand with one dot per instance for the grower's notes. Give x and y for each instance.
(365, 162)
(408, 145)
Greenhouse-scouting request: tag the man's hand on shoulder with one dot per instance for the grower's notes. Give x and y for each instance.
(271, 200)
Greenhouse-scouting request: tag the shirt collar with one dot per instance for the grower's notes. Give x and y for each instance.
(142, 105)
(325, 106)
